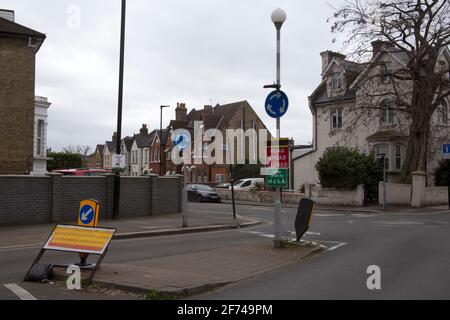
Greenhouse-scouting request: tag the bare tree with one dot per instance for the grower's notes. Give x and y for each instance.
(420, 31)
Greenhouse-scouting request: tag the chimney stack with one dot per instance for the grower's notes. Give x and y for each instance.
(380, 45)
(7, 14)
(207, 109)
(144, 129)
(114, 137)
(327, 57)
(181, 112)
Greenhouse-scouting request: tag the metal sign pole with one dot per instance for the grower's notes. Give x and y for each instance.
(185, 197)
(278, 221)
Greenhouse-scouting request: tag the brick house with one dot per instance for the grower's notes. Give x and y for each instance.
(95, 160)
(18, 48)
(157, 154)
(383, 130)
(238, 115)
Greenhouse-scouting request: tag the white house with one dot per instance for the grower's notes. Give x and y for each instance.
(140, 152)
(125, 148)
(338, 119)
(41, 106)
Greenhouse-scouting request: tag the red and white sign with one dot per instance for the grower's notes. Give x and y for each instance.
(278, 157)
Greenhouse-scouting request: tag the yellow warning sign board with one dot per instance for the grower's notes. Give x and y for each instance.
(79, 239)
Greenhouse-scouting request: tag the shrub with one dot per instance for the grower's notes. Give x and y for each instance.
(344, 168)
(64, 160)
(440, 174)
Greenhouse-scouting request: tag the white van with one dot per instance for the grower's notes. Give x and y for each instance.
(247, 184)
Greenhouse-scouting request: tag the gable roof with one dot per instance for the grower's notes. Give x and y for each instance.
(100, 148)
(111, 145)
(144, 140)
(128, 142)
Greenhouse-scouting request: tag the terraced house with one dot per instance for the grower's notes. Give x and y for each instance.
(238, 115)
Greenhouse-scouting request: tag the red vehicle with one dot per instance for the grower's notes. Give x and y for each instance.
(83, 172)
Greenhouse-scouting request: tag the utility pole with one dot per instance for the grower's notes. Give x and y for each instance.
(116, 199)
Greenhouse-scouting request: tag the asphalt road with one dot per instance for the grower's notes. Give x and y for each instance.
(413, 252)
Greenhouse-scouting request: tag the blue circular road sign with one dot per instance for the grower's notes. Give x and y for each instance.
(277, 104)
(181, 140)
(87, 214)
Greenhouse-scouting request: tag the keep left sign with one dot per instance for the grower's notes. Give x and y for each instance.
(88, 214)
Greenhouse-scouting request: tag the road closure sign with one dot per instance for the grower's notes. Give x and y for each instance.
(278, 153)
(79, 239)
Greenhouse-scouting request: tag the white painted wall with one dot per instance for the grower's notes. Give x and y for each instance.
(41, 107)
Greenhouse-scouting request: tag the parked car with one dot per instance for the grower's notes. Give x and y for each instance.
(202, 193)
(83, 172)
(247, 184)
(223, 186)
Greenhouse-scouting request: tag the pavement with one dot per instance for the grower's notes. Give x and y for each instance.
(199, 220)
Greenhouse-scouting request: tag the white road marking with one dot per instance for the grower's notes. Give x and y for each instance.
(19, 291)
(21, 247)
(338, 244)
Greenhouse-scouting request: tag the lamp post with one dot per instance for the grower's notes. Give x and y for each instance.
(116, 198)
(278, 18)
(160, 140)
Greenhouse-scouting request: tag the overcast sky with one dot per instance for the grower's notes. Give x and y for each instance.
(194, 51)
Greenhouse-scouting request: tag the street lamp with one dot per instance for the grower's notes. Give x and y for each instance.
(160, 140)
(278, 18)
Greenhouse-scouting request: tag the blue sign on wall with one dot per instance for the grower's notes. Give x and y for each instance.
(277, 104)
(446, 151)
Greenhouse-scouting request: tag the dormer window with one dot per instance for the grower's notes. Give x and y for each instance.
(336, 81)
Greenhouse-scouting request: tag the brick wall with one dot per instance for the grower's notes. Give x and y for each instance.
(17, 76)
(53, 199)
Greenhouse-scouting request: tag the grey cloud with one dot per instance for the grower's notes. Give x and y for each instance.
(187, 51)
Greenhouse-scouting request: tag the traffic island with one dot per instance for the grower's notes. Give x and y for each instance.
(190, 274)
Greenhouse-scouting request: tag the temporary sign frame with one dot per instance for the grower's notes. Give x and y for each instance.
(101, 253)
(304, 216)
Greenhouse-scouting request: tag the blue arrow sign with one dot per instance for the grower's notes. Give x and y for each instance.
(277, 104)
(87, 214)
